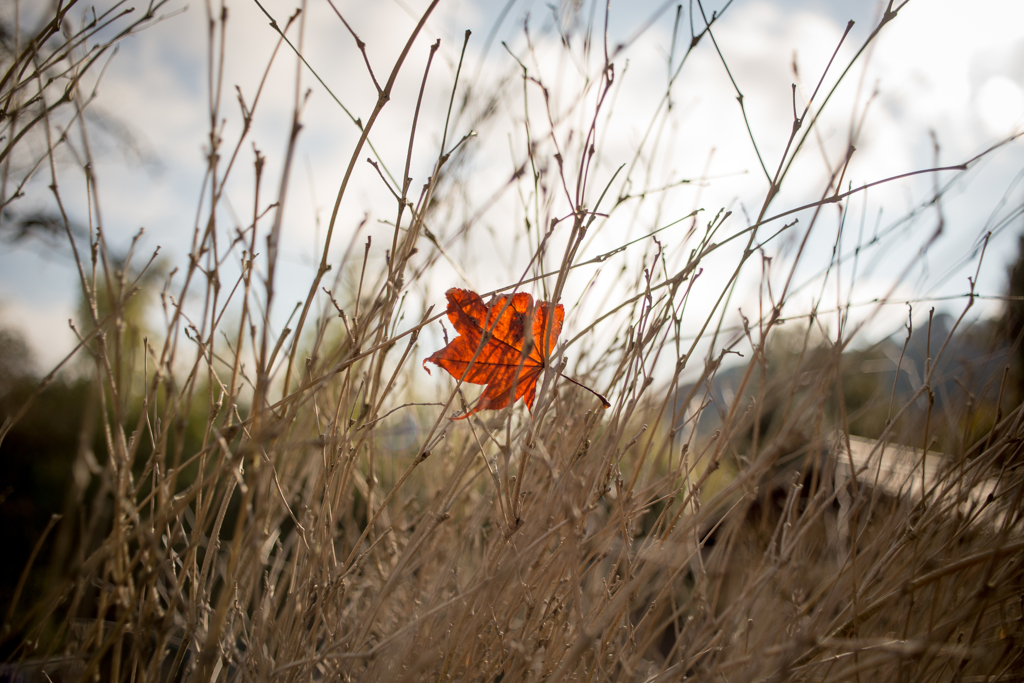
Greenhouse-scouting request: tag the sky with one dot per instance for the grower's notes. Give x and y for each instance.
(952, 69)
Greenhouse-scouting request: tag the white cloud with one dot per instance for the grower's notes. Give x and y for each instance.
(44, 327)
(1000, 104)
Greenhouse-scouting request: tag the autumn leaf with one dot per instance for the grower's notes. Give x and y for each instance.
(509, 335)
(501, 345)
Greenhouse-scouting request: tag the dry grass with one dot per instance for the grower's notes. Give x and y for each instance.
(255, 513)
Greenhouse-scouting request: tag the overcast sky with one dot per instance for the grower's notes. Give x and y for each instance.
(950, 67)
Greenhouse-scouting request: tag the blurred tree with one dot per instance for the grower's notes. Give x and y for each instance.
(16, 362)
(129, 297)
(36, 458)
(1013, 318)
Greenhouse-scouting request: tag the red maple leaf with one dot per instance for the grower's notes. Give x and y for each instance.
(501, 345)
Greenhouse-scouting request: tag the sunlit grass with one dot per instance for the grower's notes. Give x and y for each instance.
(268, 500)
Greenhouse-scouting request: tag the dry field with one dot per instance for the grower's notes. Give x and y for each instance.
(262, 493)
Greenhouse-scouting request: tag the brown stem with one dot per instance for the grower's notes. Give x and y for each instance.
(604, 401)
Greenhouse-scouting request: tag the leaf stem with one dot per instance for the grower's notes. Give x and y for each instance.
(604, 401)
